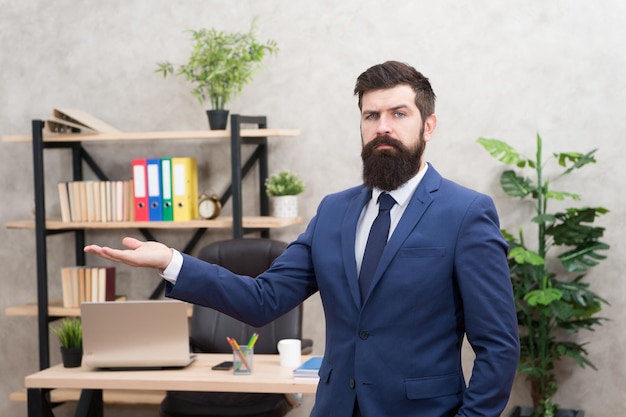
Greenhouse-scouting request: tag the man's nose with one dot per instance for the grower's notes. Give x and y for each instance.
(384, 125)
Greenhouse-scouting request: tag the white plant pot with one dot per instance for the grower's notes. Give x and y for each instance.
(285, 206)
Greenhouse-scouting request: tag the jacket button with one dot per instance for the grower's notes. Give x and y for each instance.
(352, 383)
(364, 334)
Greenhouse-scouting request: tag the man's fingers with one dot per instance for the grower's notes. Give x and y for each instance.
(131, 242)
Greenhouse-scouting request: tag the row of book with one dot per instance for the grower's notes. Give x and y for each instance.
(162, 189)
(96, 201)
(83, 283)
(165, 189)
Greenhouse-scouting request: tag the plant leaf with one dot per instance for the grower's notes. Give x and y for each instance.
(502, 151)
(522, 255)
(543, 297)
(570, 230)
(575, 351)
(583, 256)
(579, 160)
(514, 185)
(560, 195)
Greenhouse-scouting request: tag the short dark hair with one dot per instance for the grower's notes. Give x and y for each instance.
(393, 73)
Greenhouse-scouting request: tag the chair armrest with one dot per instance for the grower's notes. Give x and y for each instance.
(294, 400)
(307, 346)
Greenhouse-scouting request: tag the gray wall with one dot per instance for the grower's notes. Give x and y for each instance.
(501, 69)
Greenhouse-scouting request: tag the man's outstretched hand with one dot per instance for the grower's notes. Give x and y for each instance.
(145, 254)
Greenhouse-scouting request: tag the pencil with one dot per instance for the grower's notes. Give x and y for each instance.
(252, 341)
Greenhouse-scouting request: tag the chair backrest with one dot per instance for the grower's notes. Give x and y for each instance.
(209, 328)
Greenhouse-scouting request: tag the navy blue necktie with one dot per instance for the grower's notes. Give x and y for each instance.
(375, 242)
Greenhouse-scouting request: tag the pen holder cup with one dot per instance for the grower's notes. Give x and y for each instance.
(243, 360)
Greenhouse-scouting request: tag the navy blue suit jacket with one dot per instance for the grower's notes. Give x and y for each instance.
(442, 275)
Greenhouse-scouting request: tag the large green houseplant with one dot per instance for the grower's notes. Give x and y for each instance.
(220, 65)
(548, 269)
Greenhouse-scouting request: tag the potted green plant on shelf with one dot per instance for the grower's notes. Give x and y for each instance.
(220, 65)
(548, 272)
(70, 335)
(283, 188)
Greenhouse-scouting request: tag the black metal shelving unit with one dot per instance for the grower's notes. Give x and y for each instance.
(80, 156)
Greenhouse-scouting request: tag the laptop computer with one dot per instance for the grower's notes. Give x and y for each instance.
(148, 334)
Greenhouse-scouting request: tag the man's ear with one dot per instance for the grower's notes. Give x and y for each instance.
(429, 126)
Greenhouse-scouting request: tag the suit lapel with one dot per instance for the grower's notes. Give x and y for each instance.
(348, 238)
(419, 203)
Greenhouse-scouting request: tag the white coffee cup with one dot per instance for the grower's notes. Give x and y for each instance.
(290, 351)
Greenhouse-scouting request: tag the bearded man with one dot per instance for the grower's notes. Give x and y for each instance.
(407, 265)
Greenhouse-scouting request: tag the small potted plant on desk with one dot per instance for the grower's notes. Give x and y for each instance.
(70, 335)
(219, 66)
(551, 295)
(283, 189)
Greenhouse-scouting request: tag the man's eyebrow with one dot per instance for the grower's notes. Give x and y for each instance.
(399, 107)
(394, 108)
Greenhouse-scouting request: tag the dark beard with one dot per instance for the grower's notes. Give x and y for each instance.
(388, 169)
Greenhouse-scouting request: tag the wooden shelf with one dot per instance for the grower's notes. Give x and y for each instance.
(141, 136)
(56, 309)
(249, 222)
(109, 396)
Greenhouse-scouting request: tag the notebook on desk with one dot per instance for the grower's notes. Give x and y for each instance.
(135, 334)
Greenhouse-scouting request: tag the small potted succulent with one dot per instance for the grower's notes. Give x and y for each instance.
(70, 335)
(220, 65)
(283, 188)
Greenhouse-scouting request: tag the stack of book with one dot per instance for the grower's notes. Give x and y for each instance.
(96, 201)
(64, 120)
(83, 283)
(309, 369)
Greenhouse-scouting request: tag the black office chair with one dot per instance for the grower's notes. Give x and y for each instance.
(209, 329)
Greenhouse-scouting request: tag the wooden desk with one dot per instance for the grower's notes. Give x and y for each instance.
(268, 377)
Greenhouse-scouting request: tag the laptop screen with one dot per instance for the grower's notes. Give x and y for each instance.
(135, 334)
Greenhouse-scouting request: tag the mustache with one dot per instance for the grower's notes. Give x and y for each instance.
(385, 140)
